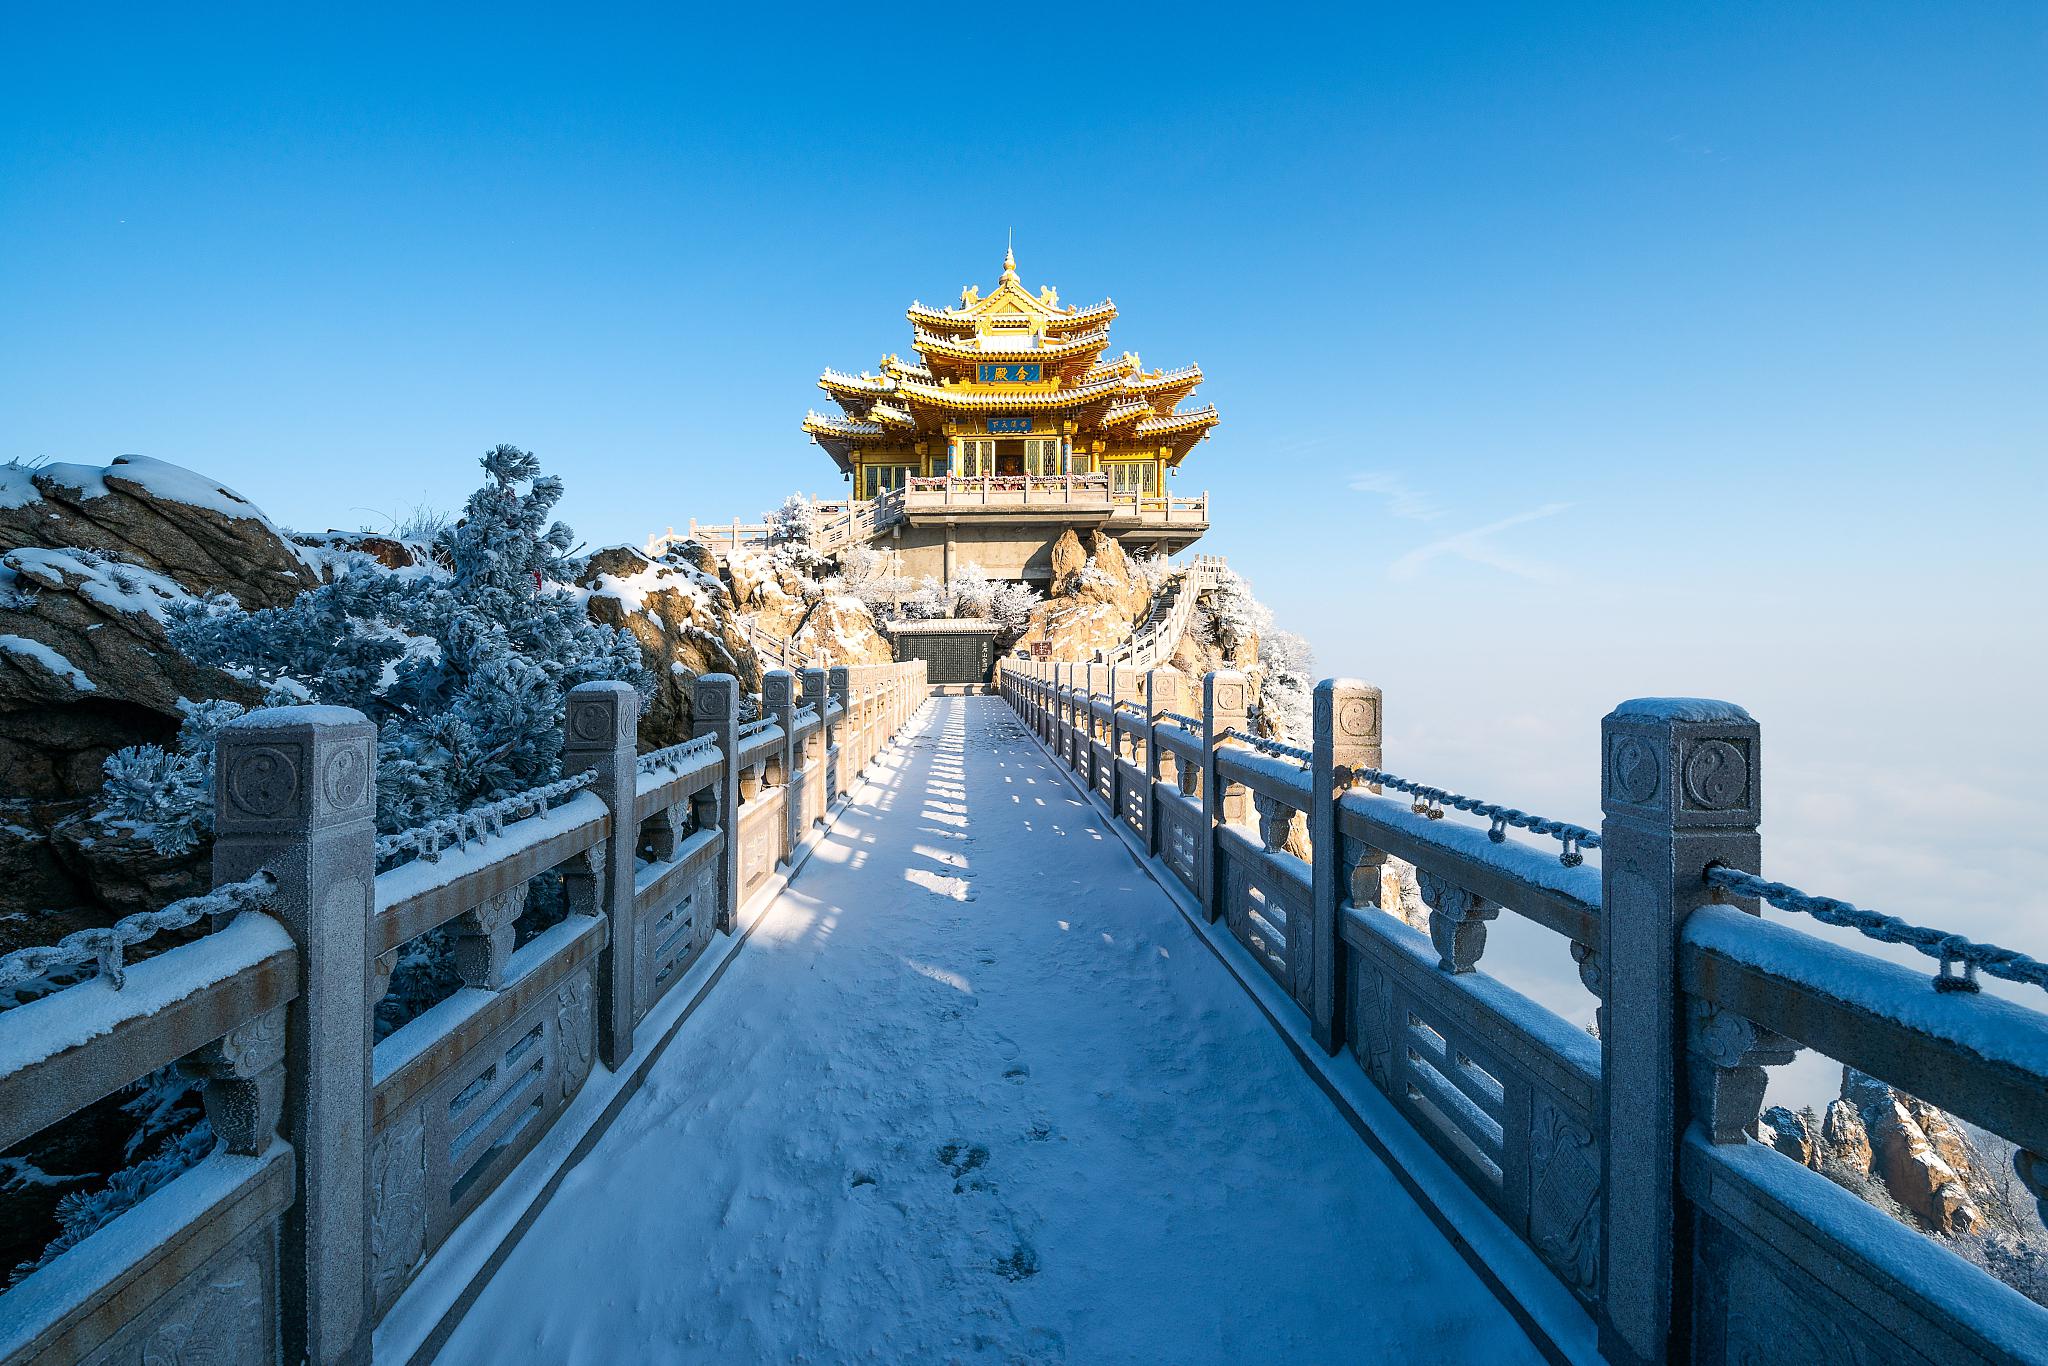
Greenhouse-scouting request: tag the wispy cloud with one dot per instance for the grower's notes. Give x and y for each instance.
(1403, 499)
(1477, 546)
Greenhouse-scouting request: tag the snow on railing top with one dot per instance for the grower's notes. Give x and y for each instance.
(755, 727)
(108, 946)
(674, 755)
(1949, 949)
(479, 822)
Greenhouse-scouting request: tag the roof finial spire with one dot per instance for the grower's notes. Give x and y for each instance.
(1010, 259)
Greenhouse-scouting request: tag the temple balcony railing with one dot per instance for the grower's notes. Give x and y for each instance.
(1054, 494)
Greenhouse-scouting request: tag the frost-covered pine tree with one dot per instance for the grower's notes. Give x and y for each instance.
(1287, 683)
(871, 576)
(792, 535)
(464, 672)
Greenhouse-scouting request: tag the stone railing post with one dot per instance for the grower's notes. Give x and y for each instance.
(1063, 712)
(816, 748)
(715, 707)
(295, 796)
(778, 699)
(1225, 707)
(839, 684)
(1347, 739)
(1679, 784)
(1162, 695)
(598, 733)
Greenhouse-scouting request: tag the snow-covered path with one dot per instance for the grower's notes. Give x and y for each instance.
(975, 1092)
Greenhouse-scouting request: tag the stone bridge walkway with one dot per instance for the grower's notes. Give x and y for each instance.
(975, 1092)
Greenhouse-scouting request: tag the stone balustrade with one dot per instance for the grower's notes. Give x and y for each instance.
(1624, 1169)
(342, 1167)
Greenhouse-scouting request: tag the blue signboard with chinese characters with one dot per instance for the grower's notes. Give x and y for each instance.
(1009, 425)
(1007, 372)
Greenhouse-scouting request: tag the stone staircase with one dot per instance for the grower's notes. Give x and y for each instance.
(1154, 640)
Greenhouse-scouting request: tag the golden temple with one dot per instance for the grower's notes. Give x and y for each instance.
(1011, 385)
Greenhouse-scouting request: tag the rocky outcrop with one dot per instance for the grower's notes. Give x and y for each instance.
(682, 616)
(688, 610)
(190, 529)
(1095, 601)
(95, 556)
(330, 550)
(1917, 1153)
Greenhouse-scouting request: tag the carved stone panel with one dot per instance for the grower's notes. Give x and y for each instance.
(1564, 1195)
(225, 1313)
(398, 1206)
(1748, 1315)
(573, 1030)
(1372, 1023)
(243, 1072)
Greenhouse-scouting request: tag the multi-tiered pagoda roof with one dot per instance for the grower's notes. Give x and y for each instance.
(1011, 361)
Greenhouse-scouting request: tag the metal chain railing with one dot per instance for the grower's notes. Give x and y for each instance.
(1946, 948)
(107, 947)
(1430, 801)
(673, 756)
(1268, 745)
(1182, 719)
(479, 822)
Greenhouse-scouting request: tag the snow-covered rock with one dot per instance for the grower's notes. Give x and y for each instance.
(1909, 1150)
(193, 530)
(86, 667)
(330, 551)
(1095, 603)
(682, 617)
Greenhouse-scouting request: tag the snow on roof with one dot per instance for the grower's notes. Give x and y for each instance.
(49, 660)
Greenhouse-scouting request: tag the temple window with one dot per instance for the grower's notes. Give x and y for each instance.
(876, 480)
(1042, 456)
(977, 458)
(1133, 476)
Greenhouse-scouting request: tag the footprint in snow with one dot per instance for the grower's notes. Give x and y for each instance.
(962, 1158)
(860, 1179)
(1039, 1131)
(1021, 1262)
(1016, 1071)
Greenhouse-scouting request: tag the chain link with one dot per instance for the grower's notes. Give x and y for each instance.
(673, 756)
(1430, 802)
(479, 822)
(107, 947)
(1271, 746)
(1946, 948)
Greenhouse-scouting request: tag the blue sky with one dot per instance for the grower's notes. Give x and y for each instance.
(1564, 353)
